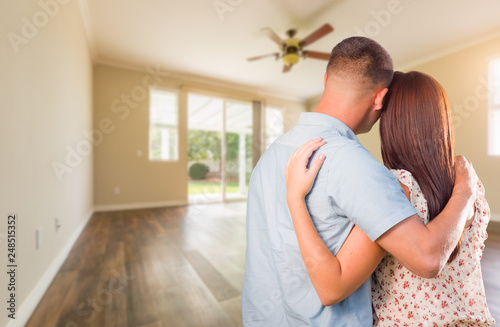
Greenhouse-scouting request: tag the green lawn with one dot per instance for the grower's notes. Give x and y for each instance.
(200, 187)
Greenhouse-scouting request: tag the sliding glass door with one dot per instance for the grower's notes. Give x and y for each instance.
(205, 128)
(238, 141)
(219, 148)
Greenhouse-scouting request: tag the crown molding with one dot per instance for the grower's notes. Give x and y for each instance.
(448, 51)
(259, 93)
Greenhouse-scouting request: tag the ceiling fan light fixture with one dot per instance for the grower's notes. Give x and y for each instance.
(291, 59)
(291, 49)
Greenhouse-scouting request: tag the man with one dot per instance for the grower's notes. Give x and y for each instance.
(351, 188)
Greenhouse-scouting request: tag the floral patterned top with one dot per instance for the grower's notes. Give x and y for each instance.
(454, 298)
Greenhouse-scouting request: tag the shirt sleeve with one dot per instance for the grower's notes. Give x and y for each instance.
(366, 191)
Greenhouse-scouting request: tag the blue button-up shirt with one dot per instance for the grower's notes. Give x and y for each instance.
(352, 188)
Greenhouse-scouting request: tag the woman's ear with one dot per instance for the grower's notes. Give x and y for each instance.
(379, 98)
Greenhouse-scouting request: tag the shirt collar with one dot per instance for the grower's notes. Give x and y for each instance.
(319, 119)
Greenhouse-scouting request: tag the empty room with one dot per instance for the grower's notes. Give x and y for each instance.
(155, 170)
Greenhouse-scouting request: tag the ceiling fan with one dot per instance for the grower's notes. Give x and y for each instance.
(292, 48)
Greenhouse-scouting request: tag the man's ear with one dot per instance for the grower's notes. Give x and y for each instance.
(324, 80)
(379, 98)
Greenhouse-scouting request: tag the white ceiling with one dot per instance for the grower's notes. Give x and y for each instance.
(190, 38)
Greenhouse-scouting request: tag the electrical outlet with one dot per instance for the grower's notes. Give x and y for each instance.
(117, 190)
(38, 238)
(57, 223)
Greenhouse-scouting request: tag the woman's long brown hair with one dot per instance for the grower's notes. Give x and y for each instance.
(416, 133)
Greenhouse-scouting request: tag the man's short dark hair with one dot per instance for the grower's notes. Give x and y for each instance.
(362, 59)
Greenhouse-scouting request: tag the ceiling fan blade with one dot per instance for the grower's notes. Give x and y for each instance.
(317, 55)
(319, 33)
(286, 68)
(276, 54)
(273, 36)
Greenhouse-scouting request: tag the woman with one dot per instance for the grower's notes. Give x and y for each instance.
(417, 145)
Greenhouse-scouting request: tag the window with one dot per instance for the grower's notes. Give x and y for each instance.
(163, 125)
(274, 124)
(220, 146)
(494, 111)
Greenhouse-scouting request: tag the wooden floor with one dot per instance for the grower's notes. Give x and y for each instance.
(176, 267)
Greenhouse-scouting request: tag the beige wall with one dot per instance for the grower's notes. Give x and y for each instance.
(142, 182)
(45, 103)
(461, 75)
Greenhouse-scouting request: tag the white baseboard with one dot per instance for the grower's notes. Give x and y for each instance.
(143, 205)
(29, 305)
